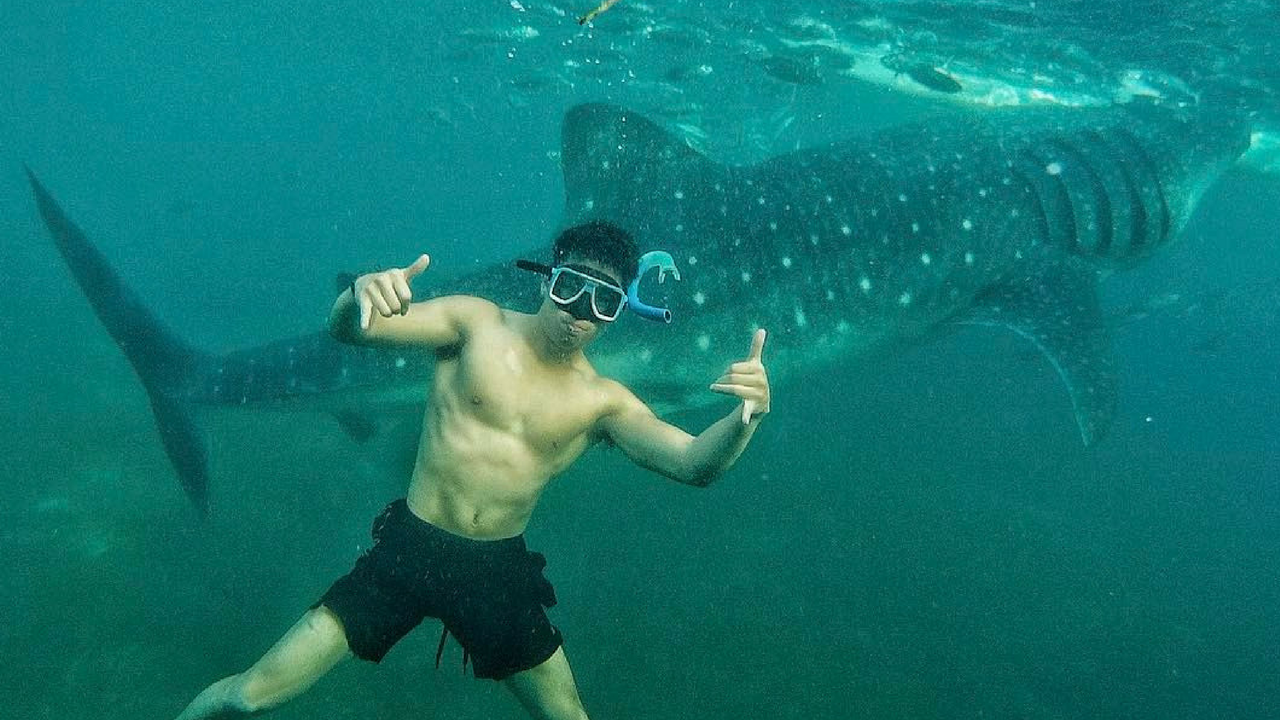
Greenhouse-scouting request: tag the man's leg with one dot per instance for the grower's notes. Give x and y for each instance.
(548, 691)
(309, 650)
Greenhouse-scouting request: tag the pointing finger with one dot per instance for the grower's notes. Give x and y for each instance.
(757, 344)
(417, 267)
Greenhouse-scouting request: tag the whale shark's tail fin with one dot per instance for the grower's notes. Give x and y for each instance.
(620, 166)
(166, 365)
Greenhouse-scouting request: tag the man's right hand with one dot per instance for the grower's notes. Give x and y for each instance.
(387, 291)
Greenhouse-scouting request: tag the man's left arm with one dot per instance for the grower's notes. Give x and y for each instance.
(695, 460)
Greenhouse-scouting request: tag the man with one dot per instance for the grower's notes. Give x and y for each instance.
(513, 403)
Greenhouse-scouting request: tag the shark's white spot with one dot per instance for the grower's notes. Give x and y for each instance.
(829, 199)
(760, 200)
(1014, 213)
(925, 259)
(967, 224)
(699, 298)
(604, 165)
(846, 230)
(704, 342)
(813, 238)
(982, 192)
(968, 258)
(902, 197)
(680, 228)
(801, 320)
(904, 299)
(719, 188)
(746, 277)
(915, 227)
(842, 327)
(786, 262)
(773, 226)
(679, 194)
(400, 363)
(864, 282)
(1053, 168)
(646, 355)
(588, 204)
(831, 295)
(1017, 255)
(693, 259)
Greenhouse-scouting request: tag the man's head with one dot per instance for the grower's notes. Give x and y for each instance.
(591, 264)
(598, 243)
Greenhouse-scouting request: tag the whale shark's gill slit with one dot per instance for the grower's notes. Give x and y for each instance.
(1127, 196)
(1096, 206)
(1150, 189)
(1053, 199)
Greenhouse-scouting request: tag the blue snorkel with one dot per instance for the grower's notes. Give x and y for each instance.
(650, 260)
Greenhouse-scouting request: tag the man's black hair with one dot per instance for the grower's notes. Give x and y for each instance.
(601, 242)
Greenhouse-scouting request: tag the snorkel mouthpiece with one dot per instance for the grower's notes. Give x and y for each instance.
(665, 264)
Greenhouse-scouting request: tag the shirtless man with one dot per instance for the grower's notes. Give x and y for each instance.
(513, 403)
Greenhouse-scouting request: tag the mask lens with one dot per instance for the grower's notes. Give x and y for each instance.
(608, 302)
(566, 286)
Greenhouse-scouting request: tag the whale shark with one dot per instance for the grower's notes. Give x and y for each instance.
(1005, 218)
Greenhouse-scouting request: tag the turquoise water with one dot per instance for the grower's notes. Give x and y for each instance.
(916, 535)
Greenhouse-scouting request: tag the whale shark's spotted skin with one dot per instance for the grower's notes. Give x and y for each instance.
(837, 250)
(840, 249)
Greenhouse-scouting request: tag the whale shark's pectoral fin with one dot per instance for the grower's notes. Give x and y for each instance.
(1056, 308)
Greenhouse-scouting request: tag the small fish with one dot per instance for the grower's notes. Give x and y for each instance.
(933, 78)
(792, 71)
(498, 36)
(599, 9)
(681, 73)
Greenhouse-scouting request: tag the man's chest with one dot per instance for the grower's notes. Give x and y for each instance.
(504, 387)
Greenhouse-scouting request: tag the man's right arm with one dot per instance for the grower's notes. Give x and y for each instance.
(377, 310)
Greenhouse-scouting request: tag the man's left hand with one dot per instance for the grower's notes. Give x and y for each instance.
(747, 380)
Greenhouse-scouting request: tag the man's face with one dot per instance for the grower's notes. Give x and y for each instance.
(572, 326)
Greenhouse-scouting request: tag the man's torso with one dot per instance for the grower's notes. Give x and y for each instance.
(500, 423)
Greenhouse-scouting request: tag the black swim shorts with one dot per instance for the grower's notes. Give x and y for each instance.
(490, 594)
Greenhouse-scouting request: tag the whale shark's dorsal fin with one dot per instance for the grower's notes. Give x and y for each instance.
(602, 143)
(1055, 306)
